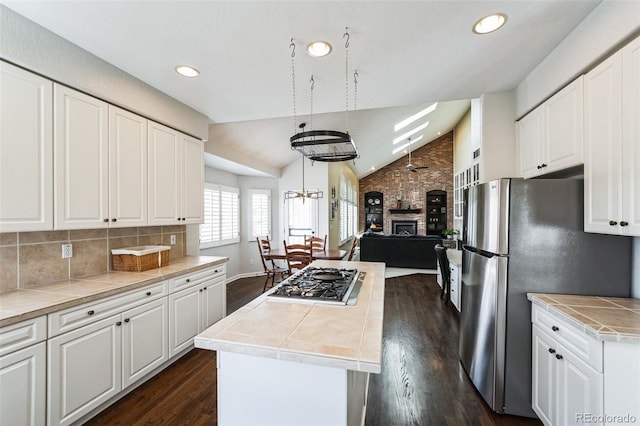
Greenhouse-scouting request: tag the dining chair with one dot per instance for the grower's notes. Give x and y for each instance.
(354, 244)
(270, 267)
(318, 244)
(445, 272)
(298, 255)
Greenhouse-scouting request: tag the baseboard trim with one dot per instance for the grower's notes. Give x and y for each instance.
(230, 280)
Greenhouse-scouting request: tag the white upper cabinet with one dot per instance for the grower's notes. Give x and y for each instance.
(164, 175)
(192, 184)
(26, 151)
(612, 144)
(176, 177)
(127, 168)
(81, 157)
(530, 146)
(550, 138)
(631, 138)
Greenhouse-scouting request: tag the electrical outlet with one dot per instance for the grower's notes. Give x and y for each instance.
(250, 261)
(172, 239)
(67, 251)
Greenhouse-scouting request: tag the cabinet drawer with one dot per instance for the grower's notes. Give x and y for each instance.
(194, 278)
(72, 318)
(585, 347)
(22, 334)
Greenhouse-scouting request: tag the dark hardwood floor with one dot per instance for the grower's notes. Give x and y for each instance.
(422, 381)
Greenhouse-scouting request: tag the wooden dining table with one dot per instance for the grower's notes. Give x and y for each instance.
(279, 254)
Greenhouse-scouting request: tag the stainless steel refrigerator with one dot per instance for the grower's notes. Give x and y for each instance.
(525, 236)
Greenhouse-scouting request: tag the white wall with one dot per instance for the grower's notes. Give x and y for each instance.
(243, 256)
(249, 256)
(602, 32)
(232, 251)
(498, 130)
(462, 151)
(35, 48)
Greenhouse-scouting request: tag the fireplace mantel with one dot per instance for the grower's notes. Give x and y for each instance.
(404, 211)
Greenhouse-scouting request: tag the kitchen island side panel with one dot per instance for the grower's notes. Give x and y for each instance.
(255, 390)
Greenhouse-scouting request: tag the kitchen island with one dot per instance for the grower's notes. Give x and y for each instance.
(288, 362)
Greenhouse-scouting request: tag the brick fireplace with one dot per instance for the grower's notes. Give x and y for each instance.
(395, 182)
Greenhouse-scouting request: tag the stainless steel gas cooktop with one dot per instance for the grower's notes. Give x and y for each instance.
(326, 285)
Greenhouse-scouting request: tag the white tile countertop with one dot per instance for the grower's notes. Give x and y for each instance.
(348, 337)
(22, 304)
(455, 257)
(614, 319)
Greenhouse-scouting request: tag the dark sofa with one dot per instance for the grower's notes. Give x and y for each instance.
(402, 251)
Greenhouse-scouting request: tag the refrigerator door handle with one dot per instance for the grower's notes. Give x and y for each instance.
(478, 251)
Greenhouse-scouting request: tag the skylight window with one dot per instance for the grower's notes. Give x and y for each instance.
(410, 133)
(406, 145)
(417, 116)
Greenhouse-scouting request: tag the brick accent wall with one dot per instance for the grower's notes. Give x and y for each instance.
(395, 181)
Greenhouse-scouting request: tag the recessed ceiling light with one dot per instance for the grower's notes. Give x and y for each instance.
(489, 23)
(187, 71)
(318, 49)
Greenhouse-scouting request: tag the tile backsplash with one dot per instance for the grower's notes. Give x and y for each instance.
(29, 259)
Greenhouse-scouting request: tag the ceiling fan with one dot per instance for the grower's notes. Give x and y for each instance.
(411, 167)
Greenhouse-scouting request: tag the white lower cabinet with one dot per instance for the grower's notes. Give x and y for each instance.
(565, 388)
(84, 368)
(454, 291)
(144, 340)
(96, 350)
(23, 358)
(91, 364)
(578, 379)
(23, 385)
(196, 307)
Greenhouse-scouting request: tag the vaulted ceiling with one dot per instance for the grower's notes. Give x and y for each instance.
(408, 54)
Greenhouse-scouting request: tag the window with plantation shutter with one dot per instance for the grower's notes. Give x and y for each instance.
(221, 216)
(260, 200)
(348, 209)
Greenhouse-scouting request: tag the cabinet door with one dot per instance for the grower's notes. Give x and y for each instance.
(184, 319)
(81, 160)
(455, 286)
(23, 385)
(164, 175)
(144, 340)
(214, 301)
(603, 149)
(84, 370)
(580, 389)
(530, 146)
(127, 168)
(563, 128)
(193, 180)
(543, 376)
(26, 151)
(631, 138)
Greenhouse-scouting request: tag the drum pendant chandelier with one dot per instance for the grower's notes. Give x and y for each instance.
(324, 145)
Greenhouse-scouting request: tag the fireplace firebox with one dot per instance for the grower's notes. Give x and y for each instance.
(404, 227)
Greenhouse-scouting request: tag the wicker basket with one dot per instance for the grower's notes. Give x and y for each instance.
(138, 259)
